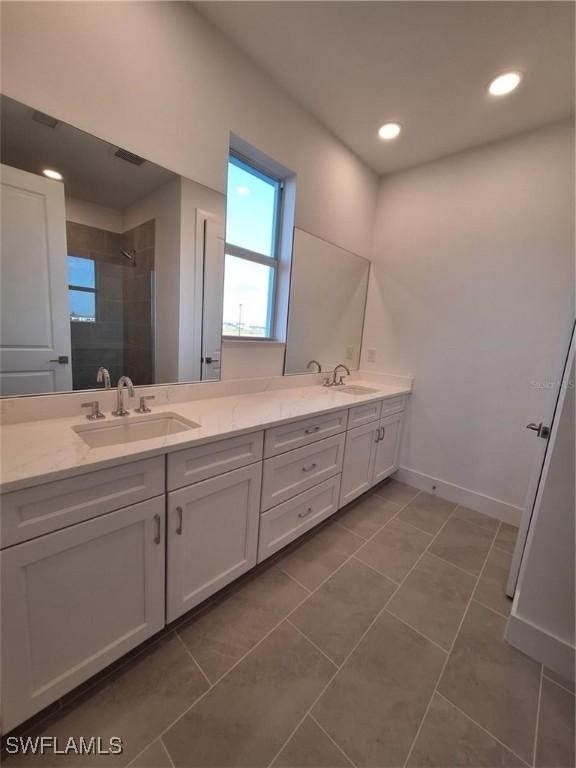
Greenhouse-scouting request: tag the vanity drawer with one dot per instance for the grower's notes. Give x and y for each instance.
(205, 461)
(284, 523)
(45, 508)
(393, 405)
(298, 433)
(362, 414)
(296, 471)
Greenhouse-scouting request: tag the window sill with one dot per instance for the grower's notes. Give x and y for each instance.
(268, 342)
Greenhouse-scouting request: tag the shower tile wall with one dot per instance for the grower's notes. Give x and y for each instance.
(138, 305)
(121, 337)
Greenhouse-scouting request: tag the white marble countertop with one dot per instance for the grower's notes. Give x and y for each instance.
(35, 452)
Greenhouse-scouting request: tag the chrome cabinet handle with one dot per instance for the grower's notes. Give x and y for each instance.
(306, 513)
(383, 433)
(377, 435)
(180, 521)
(380, 434)
(308, 469)
(311, 430)
(157, 537)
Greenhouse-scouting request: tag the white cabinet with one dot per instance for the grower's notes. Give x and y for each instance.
(75, 600)
(212, 536)
(387, 447)
(284, 523)
(358, 469)
(370, 456)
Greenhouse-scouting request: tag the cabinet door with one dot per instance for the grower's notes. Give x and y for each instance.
(358, 469)
(212, 536)
(75, 600)
(387, 447)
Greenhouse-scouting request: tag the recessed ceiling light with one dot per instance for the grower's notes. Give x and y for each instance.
(242, 191)
(504, 84)
(389, 131)
(52, 174)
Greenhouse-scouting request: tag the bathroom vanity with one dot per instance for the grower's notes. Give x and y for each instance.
(102, 546)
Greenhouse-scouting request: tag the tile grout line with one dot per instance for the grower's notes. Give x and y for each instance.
(536, 727)
(361, 638)
(462, 570)
(448, 655)
(166, 751)
(489, 608)
(338, 747)
(418, 632)
(196, 662)
(560, 685)
(305, 636)
(307, 589)
(485, 730)
(375, 570)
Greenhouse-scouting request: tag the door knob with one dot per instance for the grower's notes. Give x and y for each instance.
(540, 429)
(61, 359)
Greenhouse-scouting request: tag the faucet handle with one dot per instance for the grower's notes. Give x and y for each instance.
(95, 412)
(142, 408)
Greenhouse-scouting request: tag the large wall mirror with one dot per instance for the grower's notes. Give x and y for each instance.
(327, 303)
(108, 260)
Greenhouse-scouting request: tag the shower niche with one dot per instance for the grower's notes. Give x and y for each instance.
(108, 260)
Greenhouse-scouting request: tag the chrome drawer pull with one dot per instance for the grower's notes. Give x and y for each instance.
(305, 514)
(311, 430)
(308, 469)
(383, 433)
(157, 538)
(180, 521)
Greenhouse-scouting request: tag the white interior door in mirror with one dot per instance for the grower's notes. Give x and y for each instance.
(327, 300)
(213, 295)
(35, 322)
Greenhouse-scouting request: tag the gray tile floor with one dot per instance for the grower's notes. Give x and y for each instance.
(376, 641)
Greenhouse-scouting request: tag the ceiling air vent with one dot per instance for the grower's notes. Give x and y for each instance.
(130, 157)
(44, 119)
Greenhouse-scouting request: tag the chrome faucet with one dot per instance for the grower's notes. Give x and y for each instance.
(103, 376)
(336, 381)
(314, 362)
(123, 381)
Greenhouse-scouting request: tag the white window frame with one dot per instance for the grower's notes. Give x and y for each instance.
(259, 258)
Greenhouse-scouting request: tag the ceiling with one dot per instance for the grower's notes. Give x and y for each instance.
(426, 65)
(89, 166)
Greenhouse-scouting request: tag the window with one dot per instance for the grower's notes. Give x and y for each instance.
(252, 214)
(82, 289)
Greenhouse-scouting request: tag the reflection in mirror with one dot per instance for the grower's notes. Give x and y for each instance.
(108, 260)
(327, 303)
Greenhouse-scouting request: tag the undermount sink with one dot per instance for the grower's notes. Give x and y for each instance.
(129, 429)
(356, 389)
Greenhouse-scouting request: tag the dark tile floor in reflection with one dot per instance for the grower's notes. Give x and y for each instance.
(376, 640)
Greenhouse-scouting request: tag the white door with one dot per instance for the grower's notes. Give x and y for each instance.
(212, 536)
(35, 317)
(213, 298)
(387, 447)
(359, 455)
(75, 600)
(542, 432)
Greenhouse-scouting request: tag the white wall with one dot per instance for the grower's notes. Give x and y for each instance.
(164, 205)
(472, 294)
(93, 215)
(158, 79)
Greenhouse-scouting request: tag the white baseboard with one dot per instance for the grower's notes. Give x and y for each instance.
(534, 641)
(501, 510)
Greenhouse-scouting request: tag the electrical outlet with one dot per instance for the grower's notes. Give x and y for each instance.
(371, 355)
(349, 353)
